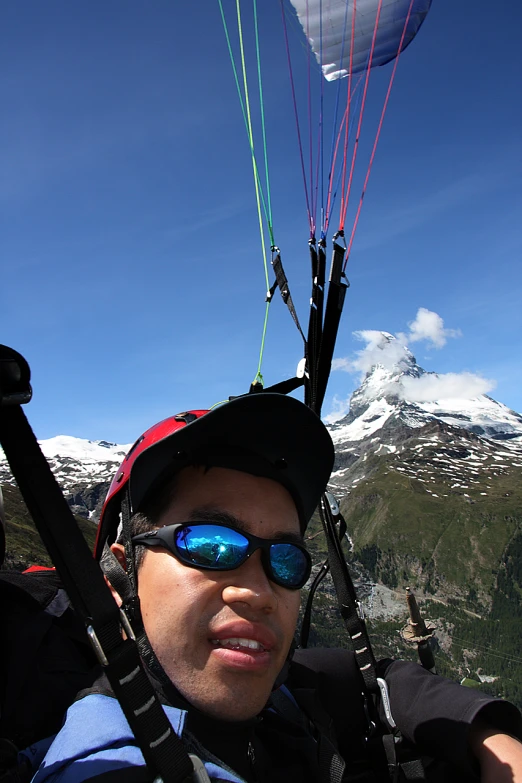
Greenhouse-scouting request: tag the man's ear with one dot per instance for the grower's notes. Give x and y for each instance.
(119, 551)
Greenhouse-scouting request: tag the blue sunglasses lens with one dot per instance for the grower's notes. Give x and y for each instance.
(212, 547)
(222, 548)
(289, 564)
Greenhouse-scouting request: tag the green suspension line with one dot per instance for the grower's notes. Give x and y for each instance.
(245, 108)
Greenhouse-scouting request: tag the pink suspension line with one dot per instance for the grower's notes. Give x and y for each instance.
(372, 156)
(334, 159)
(348, 102)
(361, 113)
(310, 138)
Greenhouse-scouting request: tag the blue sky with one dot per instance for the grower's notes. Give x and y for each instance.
(131, 266)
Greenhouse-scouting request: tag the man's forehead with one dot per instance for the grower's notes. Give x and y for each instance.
(220, 516)
(257, 504)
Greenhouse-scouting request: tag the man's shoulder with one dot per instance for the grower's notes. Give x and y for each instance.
(95, 739)
(96, 742)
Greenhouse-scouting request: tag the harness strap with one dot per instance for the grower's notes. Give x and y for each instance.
(315, 324)
(338, 283)
(284, 288)
(348, 603)
(307, 614)
(116, 575)
(83, 580)
(285, 387)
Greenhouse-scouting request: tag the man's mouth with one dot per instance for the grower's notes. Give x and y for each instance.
(236, 643)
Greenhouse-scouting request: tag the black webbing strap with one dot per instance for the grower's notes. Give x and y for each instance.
(307, 614)
(83, 580)
(282, 282)
(337, 286)
(347, 599)
(116, 575)
(285, 387)
(315, 324)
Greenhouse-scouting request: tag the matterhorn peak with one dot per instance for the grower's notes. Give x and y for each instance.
(396, 389)
(385, 361)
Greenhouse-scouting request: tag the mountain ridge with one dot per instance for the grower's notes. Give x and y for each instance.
(400, 464)
(430, 491)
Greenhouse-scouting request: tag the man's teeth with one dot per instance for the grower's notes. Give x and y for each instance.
(236, 643)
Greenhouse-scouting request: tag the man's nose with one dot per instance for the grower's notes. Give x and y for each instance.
(250, 585)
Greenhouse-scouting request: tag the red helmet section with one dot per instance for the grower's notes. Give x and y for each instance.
(109, 517)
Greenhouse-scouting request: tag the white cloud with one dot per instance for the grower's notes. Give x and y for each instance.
(343, 364)
(381, 348)
(451, 385)
(389, 351)
(339, 410)
(429, 326)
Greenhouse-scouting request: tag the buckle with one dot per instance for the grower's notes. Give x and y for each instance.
(95, 642)
(385, 696)
(200, 774)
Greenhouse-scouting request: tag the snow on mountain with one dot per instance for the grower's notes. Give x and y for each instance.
(374, 417)
(83, 469)
(464, 442)
(396, 388)
(459, 441)
(87, 451)
(481, 415)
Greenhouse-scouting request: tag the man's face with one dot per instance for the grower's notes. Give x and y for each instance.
(191, 615)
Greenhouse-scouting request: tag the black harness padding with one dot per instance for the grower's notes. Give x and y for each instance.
(328, 687)
(315, 324)
(331, 765)
(337, 286)
(45, 657)
(83, 580)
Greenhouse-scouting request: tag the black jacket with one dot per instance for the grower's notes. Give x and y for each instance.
(281, 746)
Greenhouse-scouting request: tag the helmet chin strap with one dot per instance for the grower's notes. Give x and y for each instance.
(125, 582)
(122, 583)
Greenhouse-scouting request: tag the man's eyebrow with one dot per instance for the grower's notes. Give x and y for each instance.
(221, 517)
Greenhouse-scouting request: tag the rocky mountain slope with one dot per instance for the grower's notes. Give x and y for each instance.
(430, 489)
(83, 468)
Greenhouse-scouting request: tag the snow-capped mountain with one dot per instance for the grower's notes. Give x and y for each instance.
(463, 440)
(429, 486)
(84, 469)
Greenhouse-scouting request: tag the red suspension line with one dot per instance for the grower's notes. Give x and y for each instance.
(361, 113)
(372, 156)
(346, 118)
(332, 170)
(348, 102)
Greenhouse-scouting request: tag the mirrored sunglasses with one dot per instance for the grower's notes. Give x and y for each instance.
(222, 548)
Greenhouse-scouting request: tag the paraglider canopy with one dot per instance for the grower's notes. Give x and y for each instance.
(342, 32)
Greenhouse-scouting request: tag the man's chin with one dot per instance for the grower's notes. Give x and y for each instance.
(231, 704)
